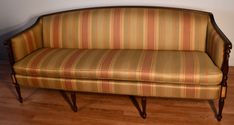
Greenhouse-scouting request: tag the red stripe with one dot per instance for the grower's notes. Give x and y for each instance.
(151, 29)
(56, 31)
(68, 84)
(186, 33)
(189, 74)
(34, 64)
(189, 68)
(146, 66)
(85, 19)
(146, 89)
(66, 28)
(105, 86)
(190, 91)
(35, 81)
(74, 32)
(70, 62)
(105, 64)
(116, 29)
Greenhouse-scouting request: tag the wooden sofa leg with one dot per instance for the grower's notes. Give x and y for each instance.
(221, 104)
(143, 103)
(17, 87)
(73, 98)
(141, 110)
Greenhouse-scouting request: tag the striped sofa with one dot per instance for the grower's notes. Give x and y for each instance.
(135, 51)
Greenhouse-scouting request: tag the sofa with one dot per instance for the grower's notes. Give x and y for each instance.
(133, 51)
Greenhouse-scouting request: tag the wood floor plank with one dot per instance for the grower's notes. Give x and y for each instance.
(47, 107)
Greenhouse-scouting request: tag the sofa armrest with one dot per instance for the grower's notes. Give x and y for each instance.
(25, 42)
(218, 47)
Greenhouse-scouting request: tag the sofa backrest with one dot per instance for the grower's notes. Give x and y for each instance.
(126, 28)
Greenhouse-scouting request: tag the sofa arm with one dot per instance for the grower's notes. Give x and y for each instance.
(218, 47)
(25, 42)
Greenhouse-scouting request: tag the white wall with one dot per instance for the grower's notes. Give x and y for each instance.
(14, 13)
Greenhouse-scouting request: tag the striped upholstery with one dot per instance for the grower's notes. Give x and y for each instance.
(132, 51)
(178, 67)
(214, 45)
(27, 42)
(126, 28)
(123, 87)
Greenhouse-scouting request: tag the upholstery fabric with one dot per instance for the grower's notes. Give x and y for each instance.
(214, 45)
(27, 42)
(123, 87)
(179, 67)
(126, 28)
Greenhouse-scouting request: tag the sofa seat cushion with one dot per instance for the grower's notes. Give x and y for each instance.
(179, 67)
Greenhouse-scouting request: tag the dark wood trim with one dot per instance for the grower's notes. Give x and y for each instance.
(221, 105)
(17, 87)
(225, 66)
(70, 100)
(12, 61)
(222, 35)
(73, 98)
(142, 109)
(106, 7)
(225, 69)
(227, 49)
(8, 46)
(144, 104)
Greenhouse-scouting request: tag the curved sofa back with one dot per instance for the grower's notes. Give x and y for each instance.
(126, 28)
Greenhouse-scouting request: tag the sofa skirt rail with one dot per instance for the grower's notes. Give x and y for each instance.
(123, 87)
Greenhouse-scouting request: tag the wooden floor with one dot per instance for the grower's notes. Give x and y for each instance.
(48, 107)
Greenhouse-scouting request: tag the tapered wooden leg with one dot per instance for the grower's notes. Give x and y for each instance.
(221, 104)
(73, 98)
(143, 103)
(142, 109)
(17, 87)
(70, 99)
